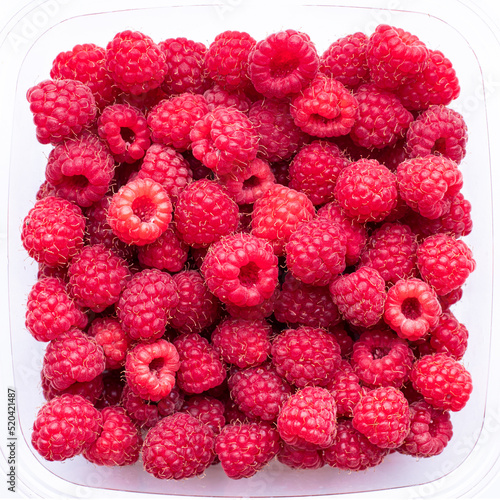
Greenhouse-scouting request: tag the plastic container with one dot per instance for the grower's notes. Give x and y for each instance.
(29, 45)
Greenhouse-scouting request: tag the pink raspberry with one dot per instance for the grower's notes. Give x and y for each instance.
(217, 96)
(109, 334)
(295, 458)
(346, 389)
(207, 409)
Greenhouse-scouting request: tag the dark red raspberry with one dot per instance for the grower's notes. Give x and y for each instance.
(224, 139)
(135, 62)
(295, 458)
(345, 388)
(241, 269)
(207, 409)
(450, 298)
(394, 56)
(119, 441)
(457, 222)
(444, 262)
(64, 427)
(91, 390)
(205, 213)
(391, 156)
(443, 382)
(360, 296)
(53, 230)
(178, 447)
(125, 130)
(216, 96)
(438, 130)
(343, 337)
(143, 102)
(61, 109)
(112, 389)
(305, 356)
(366, 190)
(115, 343)
(140, 212)
(283, 63)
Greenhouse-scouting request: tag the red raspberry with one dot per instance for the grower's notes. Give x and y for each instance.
(135, 62)
(64, 427)
(146, 304)
(91, 390)
(50, 310)
(345, 388)
(438, 130)
(325, 108)
(241, 269)
(308, 419)
(209, 410)
(307, 305)
(283, 63)
(119, 441)
(125, 130)
(315, 252)
(345, 60)
(112, 389)
(295, 458)
(242, 342)
(80, 169)
(61, 108)
(53, 230)
(457, 222)
(305, 356)
(172, 119)
(360, 296)
(381, 358)
(245, 448)
(315, 168)
(383, 416)
(115, 343)
(253, 313)
(444, 262)
(366, 190)
(204, 213)
(411, 308)
(140, 212)
(443, 382)
(201, 368)
(224, 139)
(142, 102)
(226, 61)
(392, 250)
(450, 298)
(216, 97)
(382, 119)
(178, 447)
(394, 56)
(72, 357)
(343, 338)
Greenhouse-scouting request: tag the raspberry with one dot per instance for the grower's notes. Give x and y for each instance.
(226, 61)
(216, 96)
(241, 269)
(391, 250)
(382, 119)
(315, 252)
(50, 311)
(140, 212)
(61, 108)
(394, 56)
(119, 441)
(53, 230)
(146, 304)
(135, 62)
(308, 419)
(444, 262)
(278, 213)
(457, 222)
(253, 313)
(178, 447)
(171, 120)
(205, 213)
(245, 448)
(242, 342)
(224, 139)
(325, 108)
(64, 427)
(411, 308)
(343, 338)
(91, 390)
(115, 343)
(443, 382)
(125, 130)
(450, 298)
(209, 410)
(200, 368)
(283, 63)
(345, 60)
(72, 357)
(80, 169)
(383, 416)
(112, 389)
(345, 388)
(438, 130)
(295, 458)
(366, 190)
(305, 356)
(360, 296)
(381, 358)
(351, 450)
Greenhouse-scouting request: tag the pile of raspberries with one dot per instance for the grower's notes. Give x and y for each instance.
(249, 251)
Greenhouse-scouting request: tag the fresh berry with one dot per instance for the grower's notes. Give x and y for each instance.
(91, 390)
(112, 389)
(254, 313)
(207, 409)
(216, 97)
(115, 343)
(295, 458)
(343, 338)
(457, 222)
(346, 389)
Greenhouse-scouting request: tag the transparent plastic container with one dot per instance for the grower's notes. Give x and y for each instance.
(43, 29)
